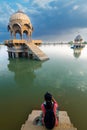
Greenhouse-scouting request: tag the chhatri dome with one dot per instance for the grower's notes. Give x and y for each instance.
(19, 15)
(20, 23)
(78, 38)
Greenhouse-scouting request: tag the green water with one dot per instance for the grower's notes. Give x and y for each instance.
(23, 83)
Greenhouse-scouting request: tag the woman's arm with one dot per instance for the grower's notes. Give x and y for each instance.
(54, 100)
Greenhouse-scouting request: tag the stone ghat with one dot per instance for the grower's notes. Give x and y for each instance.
(64, 122)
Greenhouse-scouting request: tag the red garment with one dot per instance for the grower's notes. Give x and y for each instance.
(54, 109)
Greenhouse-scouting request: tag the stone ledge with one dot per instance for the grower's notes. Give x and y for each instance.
(64, 122)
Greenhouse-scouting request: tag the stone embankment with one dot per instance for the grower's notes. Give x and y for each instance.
(64, 122)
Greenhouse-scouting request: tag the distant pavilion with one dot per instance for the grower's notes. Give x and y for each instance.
(78, 39)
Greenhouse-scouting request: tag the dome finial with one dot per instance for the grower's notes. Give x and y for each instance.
(20, 11)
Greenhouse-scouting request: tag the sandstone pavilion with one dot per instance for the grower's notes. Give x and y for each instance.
(21, 43)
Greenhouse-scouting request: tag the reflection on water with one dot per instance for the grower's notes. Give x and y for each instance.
(23, 71)
(77, 53)
(23, 83)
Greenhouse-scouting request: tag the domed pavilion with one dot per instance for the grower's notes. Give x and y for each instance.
(20, 26)
(20, 23)
(78, 39)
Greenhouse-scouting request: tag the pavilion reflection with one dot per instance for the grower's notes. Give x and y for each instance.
(24, 71)
(77, 52)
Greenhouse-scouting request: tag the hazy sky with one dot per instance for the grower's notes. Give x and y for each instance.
(53, 20)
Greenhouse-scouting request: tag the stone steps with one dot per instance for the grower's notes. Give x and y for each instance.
(37, 52)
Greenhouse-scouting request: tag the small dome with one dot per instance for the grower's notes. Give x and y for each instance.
(78, 38)
(19, 15)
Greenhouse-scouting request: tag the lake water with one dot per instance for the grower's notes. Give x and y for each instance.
(23, 83)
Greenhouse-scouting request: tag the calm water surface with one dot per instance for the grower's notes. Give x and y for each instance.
(23, 83)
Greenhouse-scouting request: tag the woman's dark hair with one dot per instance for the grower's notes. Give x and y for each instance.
(49, 119)
(48, 97)
(49, 105)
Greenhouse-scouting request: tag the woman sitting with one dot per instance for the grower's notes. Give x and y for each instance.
(49, 111)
